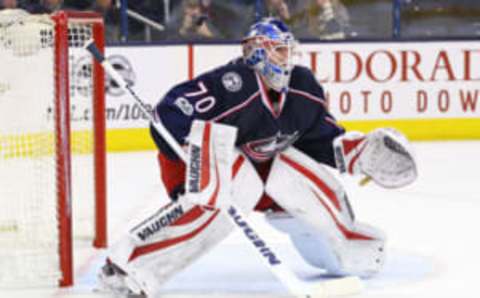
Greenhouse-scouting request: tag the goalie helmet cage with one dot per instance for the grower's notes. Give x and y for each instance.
(38, 150)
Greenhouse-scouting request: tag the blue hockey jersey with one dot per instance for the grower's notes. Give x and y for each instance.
(267, 122)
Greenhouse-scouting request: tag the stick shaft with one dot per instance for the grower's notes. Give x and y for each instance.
(124, 85)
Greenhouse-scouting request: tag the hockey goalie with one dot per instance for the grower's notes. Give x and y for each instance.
(257, 132)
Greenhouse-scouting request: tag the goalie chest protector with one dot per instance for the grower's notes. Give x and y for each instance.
(268, 122)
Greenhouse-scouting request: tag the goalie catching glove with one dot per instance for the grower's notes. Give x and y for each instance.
(384, 155)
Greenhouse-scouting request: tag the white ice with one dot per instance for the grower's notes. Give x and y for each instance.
(432, 227)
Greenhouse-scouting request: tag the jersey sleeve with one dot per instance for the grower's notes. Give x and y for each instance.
(317, 141)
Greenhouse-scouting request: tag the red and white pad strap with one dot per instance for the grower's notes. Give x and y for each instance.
(384, 154)
(209, 163)
(348, 148)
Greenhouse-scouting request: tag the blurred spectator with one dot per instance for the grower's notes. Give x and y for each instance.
(279, 9)
(322, 19)
(230, 18)
(209, 19)
(327, 19)
(110, 16)
(191, 23)
(195, 23)
(446, 18)
(8, 4)
(292, 12)
(46, 6)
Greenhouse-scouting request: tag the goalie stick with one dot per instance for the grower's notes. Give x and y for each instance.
(297, 287)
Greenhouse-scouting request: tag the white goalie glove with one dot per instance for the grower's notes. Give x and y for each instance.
(384, 155)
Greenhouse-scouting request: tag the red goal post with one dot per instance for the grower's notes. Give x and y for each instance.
(57, 148)
(63, 40)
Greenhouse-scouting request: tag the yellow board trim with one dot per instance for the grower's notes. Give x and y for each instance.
(424, 129)
(136, 139)
(129, 139)
(41, 144)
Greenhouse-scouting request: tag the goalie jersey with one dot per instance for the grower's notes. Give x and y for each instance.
(268, 122)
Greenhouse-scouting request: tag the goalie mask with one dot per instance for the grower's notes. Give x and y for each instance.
(269, 48)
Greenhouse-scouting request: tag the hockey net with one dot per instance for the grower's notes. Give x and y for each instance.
(52, 145)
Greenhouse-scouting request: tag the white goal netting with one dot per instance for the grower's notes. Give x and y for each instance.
(31, 174)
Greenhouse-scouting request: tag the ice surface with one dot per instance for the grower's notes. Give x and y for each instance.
(432, 227)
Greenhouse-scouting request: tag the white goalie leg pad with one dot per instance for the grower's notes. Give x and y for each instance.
(210, 160)
(319, 218)
(171, 239)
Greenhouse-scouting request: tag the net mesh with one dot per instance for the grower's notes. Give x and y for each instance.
(81, 90)
(29, 237)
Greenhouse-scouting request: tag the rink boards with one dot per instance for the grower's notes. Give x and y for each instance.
(428, 90)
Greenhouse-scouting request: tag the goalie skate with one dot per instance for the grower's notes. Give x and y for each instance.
(114, 280)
